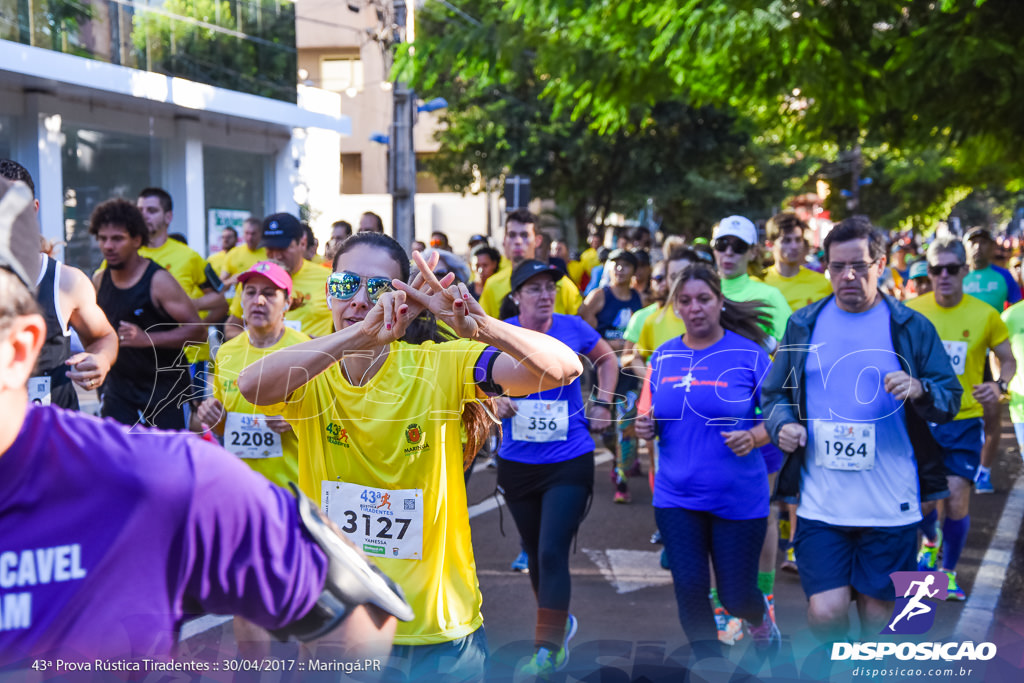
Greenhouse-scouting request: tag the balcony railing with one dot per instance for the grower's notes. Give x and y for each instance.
(244, 45)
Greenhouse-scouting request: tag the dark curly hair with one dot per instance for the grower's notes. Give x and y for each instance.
(119, 212)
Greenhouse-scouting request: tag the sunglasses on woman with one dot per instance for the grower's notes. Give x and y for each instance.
(345, 285)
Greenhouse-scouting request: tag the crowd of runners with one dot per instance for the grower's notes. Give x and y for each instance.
(289, 433)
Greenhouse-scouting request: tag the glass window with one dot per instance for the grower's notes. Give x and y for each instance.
(339, 74)
(6, 138)
(98, 165)
(234, 180)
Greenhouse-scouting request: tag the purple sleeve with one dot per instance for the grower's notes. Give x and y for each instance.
(484, 369)
(245, 552)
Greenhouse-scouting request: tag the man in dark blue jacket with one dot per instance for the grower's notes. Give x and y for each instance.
(856, 380)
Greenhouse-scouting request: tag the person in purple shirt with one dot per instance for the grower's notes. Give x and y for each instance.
(109, 540)
(711, 489)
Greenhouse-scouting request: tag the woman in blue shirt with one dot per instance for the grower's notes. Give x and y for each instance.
(546, 461)
(711, 489)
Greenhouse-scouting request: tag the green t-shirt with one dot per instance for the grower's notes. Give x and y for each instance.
(987, 285)
(1014, 319)
(743, 288)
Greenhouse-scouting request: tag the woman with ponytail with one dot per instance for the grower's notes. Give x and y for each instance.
(711, 490)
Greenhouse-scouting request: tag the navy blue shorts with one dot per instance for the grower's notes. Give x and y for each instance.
(862, 557)
(961, 442)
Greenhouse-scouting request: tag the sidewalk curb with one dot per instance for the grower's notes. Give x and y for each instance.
(979, 610)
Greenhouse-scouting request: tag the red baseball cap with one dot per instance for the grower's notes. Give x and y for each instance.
(273, 272)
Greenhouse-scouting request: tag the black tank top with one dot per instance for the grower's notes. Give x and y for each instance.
(142, 376)
(57, 345)
(613, 318)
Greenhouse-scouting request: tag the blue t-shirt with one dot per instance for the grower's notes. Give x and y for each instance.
(581, 338)
(845, 374)
(696, 395)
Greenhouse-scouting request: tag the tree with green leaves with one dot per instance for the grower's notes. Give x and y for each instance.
(697, 163)
(932, 82)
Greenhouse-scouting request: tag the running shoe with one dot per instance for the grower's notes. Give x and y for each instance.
(983, 482)
(766, 636)
(544, 662)
(656, 537)
(770, 599)
(623, 497)
(521, 563)
(730, 629)
(928, 556)
(954, 592)
(789, 564)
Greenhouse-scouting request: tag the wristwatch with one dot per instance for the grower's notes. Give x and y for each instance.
(1003, 388)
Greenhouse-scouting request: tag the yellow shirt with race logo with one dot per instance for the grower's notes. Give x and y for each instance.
(309, 313)
(660, 327)
(241, 258)
(967, 330)
(400, 431)
(187, 267)
(802, 289)
(234, 356)
(567, 299)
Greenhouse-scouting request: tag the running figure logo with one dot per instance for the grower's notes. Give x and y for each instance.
(912, 615)
(385, 501)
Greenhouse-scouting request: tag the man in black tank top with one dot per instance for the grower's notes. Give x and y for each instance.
(153, 317)
(66, 299)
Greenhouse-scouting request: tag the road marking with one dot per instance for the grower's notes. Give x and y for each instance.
(205, 623)
(630, 570)
(980, 607)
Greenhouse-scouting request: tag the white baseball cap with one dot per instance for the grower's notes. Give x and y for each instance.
(736, 226)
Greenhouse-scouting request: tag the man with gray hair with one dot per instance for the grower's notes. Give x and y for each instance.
(969, 329)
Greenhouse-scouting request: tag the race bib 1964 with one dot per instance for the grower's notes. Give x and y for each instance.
(848, 446)
(382, 522)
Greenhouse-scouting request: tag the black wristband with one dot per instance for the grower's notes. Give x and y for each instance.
(604, 404)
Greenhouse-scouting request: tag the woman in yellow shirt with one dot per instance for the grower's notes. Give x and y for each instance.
(379, 421)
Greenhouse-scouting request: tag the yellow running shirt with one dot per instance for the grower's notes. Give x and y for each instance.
(967, 330)
(309, 313)
(275, 456)
(187, 267)
(241, 258)
(802, 289)
(389, 456)
(567, 298)
(216, 261)
(659, 327)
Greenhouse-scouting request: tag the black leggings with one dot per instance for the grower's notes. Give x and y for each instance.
(690, 536)
(547, 522)
(548, 502)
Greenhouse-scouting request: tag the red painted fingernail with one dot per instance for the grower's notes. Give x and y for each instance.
(388, 326)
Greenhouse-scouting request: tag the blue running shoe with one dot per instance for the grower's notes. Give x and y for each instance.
(521, 563)
(983, 482)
